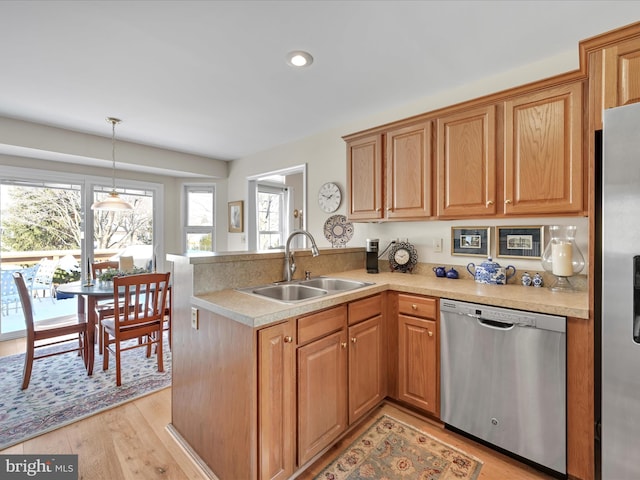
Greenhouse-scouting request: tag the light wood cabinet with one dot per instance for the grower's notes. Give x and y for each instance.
(335, 375)
(392, 182)
(614, 72)
(418, 365)
(364, 178)
(621, 80)
(466, 163)
(543, 164)
(322, 383)
(408, 172)
(276, 401)
(367, 369)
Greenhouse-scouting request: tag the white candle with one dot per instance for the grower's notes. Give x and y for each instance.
(562, 259)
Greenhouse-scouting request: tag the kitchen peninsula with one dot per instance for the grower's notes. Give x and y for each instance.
(240, 391)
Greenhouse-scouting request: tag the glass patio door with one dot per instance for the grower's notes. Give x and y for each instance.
(40, 226)
(125, 234)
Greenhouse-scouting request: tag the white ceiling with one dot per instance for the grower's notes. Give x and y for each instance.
(210, 77)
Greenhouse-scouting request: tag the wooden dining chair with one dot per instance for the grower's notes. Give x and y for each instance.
(98, 267)
(140, 304)
(40, 337)
(104, 308)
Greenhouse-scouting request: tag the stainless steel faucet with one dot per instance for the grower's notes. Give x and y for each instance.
(289, 261)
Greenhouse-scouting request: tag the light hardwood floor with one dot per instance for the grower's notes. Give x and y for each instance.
(131, 442)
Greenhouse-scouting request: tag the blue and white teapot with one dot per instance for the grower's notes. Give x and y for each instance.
(491, 272)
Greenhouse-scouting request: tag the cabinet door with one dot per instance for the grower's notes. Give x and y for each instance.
(364, 178)
(408, 169)
(366, 367)
(543, 164)
(276, 401)
(322, 393)
(466, 157)
(417, 363)
(622, 73)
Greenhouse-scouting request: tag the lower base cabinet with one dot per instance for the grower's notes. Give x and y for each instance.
(322, 393)
(316, 375)
(418, 379)
(276, 401)
(367, 376)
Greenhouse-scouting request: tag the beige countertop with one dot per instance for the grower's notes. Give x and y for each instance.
(255, 311)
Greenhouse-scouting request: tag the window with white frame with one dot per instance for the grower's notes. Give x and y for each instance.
(199, 229)
(273, 224)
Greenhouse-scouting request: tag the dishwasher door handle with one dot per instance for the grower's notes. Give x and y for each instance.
(495, 325)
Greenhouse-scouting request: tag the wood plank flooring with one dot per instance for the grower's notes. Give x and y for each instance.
(130, 442)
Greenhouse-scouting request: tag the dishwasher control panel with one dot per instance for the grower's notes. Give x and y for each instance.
(504, 315)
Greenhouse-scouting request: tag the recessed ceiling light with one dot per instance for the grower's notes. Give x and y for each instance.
(299, 58)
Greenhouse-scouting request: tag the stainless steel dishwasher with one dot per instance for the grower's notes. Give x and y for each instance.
(503, 379)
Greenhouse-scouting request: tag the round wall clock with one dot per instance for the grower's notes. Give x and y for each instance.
(329, 197)
(402, 257)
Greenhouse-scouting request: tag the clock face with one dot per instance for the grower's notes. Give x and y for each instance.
(403, 257)
(329, 197)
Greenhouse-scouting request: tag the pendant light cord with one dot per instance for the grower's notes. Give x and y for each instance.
(113, 151)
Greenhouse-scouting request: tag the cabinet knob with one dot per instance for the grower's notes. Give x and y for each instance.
(489, 203)
(288, 339)
(378, 209)
(354, 340)
(507, 201)
(343, 344)
(414, 306)
(430, 333)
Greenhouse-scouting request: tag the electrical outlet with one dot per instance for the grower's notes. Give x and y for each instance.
(194, 318)
(437, 245)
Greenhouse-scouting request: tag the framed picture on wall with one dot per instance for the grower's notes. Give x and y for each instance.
(520, 242)
(236, 224)
(474, 241)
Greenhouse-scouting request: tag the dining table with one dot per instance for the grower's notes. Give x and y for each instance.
(88, 296)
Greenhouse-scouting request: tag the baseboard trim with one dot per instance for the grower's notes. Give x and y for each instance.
(191, 453)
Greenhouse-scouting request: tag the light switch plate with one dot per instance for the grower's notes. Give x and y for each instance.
(194, 318)
(437, 245)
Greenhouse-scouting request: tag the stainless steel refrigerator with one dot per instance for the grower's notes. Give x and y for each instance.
(618, 294)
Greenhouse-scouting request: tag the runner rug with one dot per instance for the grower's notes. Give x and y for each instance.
(391, 449)
(60, 391)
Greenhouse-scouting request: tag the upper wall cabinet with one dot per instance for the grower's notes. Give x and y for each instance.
(543, 166)
(396, 185)
(621, 74)
(466, 163)
(614, 74)
(408, 172)
(364, 178)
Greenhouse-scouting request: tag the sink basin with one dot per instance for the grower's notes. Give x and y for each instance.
(289, 292)
(301, 290)
(338, 284)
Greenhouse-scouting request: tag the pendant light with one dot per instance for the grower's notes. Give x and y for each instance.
(113, 201)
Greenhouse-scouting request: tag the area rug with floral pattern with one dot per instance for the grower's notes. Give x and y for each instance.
(391, 449)
(60, 391)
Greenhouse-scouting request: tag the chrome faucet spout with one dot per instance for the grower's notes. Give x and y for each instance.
(289, 261)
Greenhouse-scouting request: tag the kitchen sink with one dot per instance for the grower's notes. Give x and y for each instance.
(301, 290)
(328, 283)
(288, 292)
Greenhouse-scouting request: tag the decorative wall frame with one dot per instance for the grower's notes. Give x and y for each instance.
(520, 242)
(474, 241)
(236, 217)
